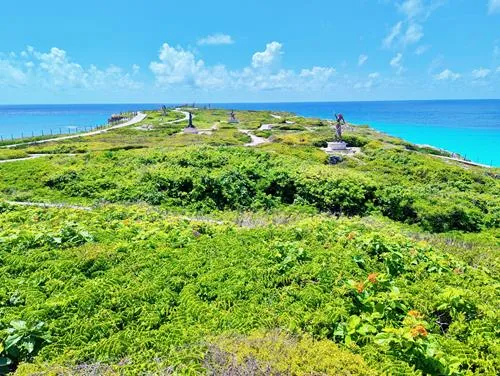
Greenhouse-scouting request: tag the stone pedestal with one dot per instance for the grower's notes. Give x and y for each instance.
(336, 146)
(190, 130)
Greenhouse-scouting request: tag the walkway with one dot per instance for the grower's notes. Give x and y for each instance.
(136, 119)
(255, 139)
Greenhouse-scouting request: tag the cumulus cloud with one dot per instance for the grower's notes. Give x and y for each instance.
(374, 75)
(54, 69)
(396, 62)
(216, 39)
(494, 6)
(447, 74)
(481, 73)
(267, 57)
(176, 66)
(362, 59)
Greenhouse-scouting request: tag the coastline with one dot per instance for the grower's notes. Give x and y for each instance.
(472, 133)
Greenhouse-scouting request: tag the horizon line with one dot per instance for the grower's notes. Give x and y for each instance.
(249, 102)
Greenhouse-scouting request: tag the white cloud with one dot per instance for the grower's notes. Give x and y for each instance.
(415, 14)
(362, 59)
(411, 8)
(447, 74)
(216, 39)
(366, 85)
(267, 57)
(396, 62)
(177, 66)
(413, 34)
(420, 50)
(318, 73)
(11, 75)
(481, 73)
(374, 75)
(393, 34)
(55, 70)
(419, 9)
(494, 6)
(60, 69)
(496, 52)
(135, 68)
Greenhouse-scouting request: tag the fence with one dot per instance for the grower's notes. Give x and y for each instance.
(60, 131)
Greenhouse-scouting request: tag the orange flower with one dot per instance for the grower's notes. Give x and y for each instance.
(351, 235)
(373, 277)
(360, 286)
(415, 313)
(418, 330)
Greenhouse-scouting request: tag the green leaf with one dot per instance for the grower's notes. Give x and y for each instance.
(18, 324)
(384, 339)
(12, 340)
(366, 329)
(353, 323)
(29, 345)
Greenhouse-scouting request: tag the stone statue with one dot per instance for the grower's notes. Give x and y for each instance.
(232, 118)
(338, 126)
(191, 129)
(190, 124)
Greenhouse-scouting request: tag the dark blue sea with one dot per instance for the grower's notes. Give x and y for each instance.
(468, 127)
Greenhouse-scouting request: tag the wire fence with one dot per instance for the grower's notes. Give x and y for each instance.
(62, 131)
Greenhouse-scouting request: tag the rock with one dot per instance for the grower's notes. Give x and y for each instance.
(334, 159)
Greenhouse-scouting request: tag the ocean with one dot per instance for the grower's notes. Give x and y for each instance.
(468, 127)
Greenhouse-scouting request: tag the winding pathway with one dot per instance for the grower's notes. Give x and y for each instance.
(256, 140)
(185, 118)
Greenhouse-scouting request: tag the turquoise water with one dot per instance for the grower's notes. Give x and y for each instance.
(468, 127)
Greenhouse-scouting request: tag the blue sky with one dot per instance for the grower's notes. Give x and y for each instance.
(224, 51)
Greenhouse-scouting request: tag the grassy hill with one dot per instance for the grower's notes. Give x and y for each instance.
(173, 253)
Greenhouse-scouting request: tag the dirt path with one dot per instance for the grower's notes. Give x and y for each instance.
(88, 208)
(255, 139)
(33, 156)
(185, 118)
(48, 205)
(136, 119)
(469, 163)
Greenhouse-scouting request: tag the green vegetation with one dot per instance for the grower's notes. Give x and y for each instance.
(12, 154)
(201, 255)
